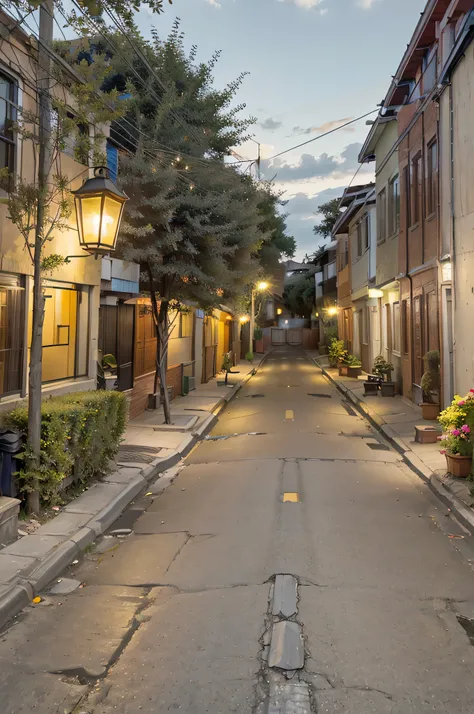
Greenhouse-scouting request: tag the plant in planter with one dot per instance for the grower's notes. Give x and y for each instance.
(249, 356)
(258, 337)
(107, 374)
(336, 351)
(330, 334)
(430, 385)
(457, 421)
(384, 369)
(354, 366)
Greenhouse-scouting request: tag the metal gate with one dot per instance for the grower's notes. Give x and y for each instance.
(278, 336)
(294, 336)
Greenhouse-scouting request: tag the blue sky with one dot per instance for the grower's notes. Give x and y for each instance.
(311, 63)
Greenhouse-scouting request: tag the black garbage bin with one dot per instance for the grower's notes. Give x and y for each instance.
(10, 446)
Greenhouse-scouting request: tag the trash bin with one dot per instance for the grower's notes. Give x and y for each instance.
(10, 445)
(185, 389)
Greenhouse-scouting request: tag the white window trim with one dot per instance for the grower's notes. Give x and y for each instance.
(18, 141)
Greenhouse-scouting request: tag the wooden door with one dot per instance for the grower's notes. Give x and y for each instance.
(125, 335)
(418, 339)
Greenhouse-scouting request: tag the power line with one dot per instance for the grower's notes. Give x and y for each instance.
(320, 136)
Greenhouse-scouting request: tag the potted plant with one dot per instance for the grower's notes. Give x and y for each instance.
(336, 350)
(258, 337)
(384, 369)
(457, 421)
(330, 334)
(430, 386)
(354, 366)
(109, 371)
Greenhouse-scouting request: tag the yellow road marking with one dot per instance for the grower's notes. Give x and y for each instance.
(289, 414)
(291, 498)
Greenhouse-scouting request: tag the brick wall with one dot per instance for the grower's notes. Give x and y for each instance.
(143, 386)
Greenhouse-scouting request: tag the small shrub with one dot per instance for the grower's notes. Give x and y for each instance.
(80, 433)
(330, 334)
(352, 361)
(430, 382)
(258, 333)
(249, 356)
(382, 368)
(336, 351)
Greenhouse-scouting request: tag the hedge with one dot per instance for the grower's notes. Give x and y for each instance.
(80, 433)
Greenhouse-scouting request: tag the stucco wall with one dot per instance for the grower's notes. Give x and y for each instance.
(463, 111)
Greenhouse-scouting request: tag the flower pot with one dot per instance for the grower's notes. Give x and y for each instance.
(343, 370)
(430, 412)
(371, 389)
(111, 381)
(387, 389)
(459, 466)
(354, 372)
(259, 346)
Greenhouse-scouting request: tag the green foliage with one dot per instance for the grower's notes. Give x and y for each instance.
(330, 334)
(331, 213)
(299, 294)
(457, 444)
(249, 356)
(350, 360)
(109, 362)
(51, 262)
(272, 223)
(382, 368)
(227, 363)
(457, 421)
(80, 433)
(258, 333)
(336, 351)
(430, 382)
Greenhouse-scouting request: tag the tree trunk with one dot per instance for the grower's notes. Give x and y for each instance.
(36, 353)
(163, 329)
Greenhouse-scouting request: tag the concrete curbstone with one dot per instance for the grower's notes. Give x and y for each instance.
(13, 600)
(53, 565)
(100, 522)
(462, 512)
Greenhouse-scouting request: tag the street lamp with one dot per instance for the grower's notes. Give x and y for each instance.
(99, 208)
(260, 287)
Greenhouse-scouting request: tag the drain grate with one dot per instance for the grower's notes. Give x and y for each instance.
(138, 447)
(321, 396)
(255, 396)
(131, 457)
(379, 447)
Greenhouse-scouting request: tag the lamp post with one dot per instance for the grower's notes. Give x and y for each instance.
(260, 287)
(99, 209)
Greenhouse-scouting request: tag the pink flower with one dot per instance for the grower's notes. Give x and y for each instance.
(472, 391)
(466, 429)
(461, 403)
(443, 451)
(456, 432)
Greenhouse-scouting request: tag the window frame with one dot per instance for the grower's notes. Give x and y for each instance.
(396, 336)
(416, 186)
(381, 208)
(10, 142)
(431, 178)
(405, 328)
(394, 205)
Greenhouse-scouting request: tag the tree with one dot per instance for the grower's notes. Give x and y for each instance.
(193, 223)
(331, 213)
(279, 244)
(299, 294)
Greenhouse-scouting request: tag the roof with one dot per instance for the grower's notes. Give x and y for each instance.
(464, 38)
(423, 37)
(365, 195)
(367, 153)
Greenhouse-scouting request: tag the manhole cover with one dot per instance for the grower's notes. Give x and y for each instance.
(321, 396)
(135, 457)
(379, 447)
(138, 447)
(255, 396)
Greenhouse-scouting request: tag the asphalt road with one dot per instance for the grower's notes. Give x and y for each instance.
(173, 617)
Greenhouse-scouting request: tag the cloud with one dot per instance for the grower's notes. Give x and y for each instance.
(271, 124)
(302, 217)
(327, 126)
(214, 3)
(311, 167)
(307, 4)
(366, 4)
(305, 206)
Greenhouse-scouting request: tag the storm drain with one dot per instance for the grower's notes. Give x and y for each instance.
(321, 396)
(255, 396)
(379, 447)
(132, 453)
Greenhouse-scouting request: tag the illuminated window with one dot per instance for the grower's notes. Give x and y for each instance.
(59, 333)
(11, 334)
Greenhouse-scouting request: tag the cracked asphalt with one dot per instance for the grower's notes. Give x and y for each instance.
(175, 616)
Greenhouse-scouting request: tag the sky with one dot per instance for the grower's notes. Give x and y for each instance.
(312, 65)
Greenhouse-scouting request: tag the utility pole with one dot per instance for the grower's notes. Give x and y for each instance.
(259, 157)
(45, 40)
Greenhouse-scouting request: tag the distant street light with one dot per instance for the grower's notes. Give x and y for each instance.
(260, 287)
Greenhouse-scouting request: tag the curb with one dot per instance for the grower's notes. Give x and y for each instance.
(462, 512)
(20, 593)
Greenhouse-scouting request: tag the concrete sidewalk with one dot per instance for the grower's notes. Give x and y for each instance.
(396, 417)
(148, 449)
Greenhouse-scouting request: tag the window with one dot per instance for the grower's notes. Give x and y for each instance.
(59, 333)
(11, 334)
(405, 327)
(8, 116)
(430, 62)
(431, 182)
(416, 184)
(186, 326)
(382, 216)
(365, 223)
(365, 317)
(407, 195)
(394, 205)
(359, 240)
(343, 253)
(396, 327)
